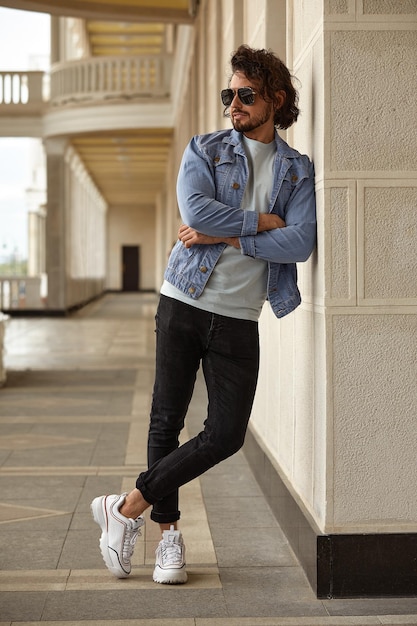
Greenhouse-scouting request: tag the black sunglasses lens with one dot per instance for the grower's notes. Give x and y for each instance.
(227, 96)
(245, 94)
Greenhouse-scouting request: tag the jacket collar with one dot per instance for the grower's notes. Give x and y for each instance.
(283, 149)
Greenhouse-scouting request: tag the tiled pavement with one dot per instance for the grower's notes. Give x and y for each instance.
(73, 422)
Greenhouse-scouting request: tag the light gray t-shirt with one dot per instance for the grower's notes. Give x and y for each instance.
(237, 286)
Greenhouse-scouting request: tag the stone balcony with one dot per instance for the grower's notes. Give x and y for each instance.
(33, 103)
(87, 80)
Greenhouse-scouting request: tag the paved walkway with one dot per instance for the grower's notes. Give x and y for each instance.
(73, 423)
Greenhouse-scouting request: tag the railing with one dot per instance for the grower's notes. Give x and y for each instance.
(110, 77)
(3, 321)
(22, 292)
(86, 80)
(24, 89)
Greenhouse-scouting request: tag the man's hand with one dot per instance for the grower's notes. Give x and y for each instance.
(189, 236)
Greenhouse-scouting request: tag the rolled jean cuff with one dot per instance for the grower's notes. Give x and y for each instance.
(165, 518)
(145, 493)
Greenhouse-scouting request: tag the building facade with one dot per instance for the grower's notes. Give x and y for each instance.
(332, 438)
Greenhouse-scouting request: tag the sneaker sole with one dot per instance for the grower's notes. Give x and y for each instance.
(100, 517)
(170, 577)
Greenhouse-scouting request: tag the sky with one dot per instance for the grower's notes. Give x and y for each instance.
(24, 45)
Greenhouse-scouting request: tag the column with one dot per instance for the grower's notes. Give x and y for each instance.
(333, 434)
(57, 191)
(370, 52)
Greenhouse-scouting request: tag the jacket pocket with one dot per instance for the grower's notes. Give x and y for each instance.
(227, 179)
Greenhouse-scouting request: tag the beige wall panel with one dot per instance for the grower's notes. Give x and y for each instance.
(375, 438)
(389, 7)
(340, 244)
(273, 411)
(309, 280)
(270, 380)
(304, 404)
(317, 114)
(373, 112)
(212, 79)
(255, 23)
(322, 504)
(275, 27)
(201, 65)
(283, 353)
(311, 275)
(306, 135)
(232, 32)
(339, 7)
(388, 254)
(231, 17)
(307, 20)
(131, 227)
(289, 413)
(301, 134)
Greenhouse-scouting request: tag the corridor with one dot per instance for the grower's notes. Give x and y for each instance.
(73, 425)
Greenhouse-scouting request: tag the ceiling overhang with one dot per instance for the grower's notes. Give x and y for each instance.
(127, 167)
(172, 11)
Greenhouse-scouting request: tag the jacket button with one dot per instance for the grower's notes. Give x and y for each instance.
(294, 178)
(235, 185)
(216, 159)
(191, 290)
(203, 269)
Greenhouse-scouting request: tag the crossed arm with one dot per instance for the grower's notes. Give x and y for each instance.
(189, 236)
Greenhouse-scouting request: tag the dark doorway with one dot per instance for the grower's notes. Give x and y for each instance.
(130, 268)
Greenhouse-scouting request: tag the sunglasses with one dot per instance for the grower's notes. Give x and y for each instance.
(245, 94)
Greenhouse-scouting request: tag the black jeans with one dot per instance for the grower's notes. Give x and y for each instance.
(228, 350)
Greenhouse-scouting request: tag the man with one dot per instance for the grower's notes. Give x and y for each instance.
(247, 202)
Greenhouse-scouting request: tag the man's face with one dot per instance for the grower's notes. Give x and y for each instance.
(255, 121)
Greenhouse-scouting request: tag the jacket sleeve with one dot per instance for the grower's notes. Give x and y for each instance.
(295, 242)
(196, 193)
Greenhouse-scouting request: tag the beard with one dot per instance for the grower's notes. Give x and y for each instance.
(246, 125)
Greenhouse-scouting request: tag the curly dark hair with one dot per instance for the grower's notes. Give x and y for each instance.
(264, 67)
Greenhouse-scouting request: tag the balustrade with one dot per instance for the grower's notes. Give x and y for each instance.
(93, 79)
(22, 292)
(3, 322)
(100, 78)
(22, 88)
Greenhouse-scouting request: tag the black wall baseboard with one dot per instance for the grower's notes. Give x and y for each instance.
(337, 565)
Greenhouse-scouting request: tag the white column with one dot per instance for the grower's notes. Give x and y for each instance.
(57, 203)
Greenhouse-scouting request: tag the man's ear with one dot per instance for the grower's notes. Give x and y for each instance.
(280, 97)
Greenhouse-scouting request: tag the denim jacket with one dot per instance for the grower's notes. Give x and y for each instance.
(210, 187)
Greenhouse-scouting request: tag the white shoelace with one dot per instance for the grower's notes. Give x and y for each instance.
(131, 534)
(171, 553)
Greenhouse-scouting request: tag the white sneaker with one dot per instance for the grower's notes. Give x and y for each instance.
(170, 559)
(119, 533)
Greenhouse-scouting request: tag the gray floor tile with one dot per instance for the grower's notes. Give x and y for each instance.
(39, 550)
(55, 457)
(263, 547)
(242, 512)
(24, 528)
(66, 403)
(22, 606)
(59, 493)
(372, 606)
(233, 481)
(271, 591)
(134, 604)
